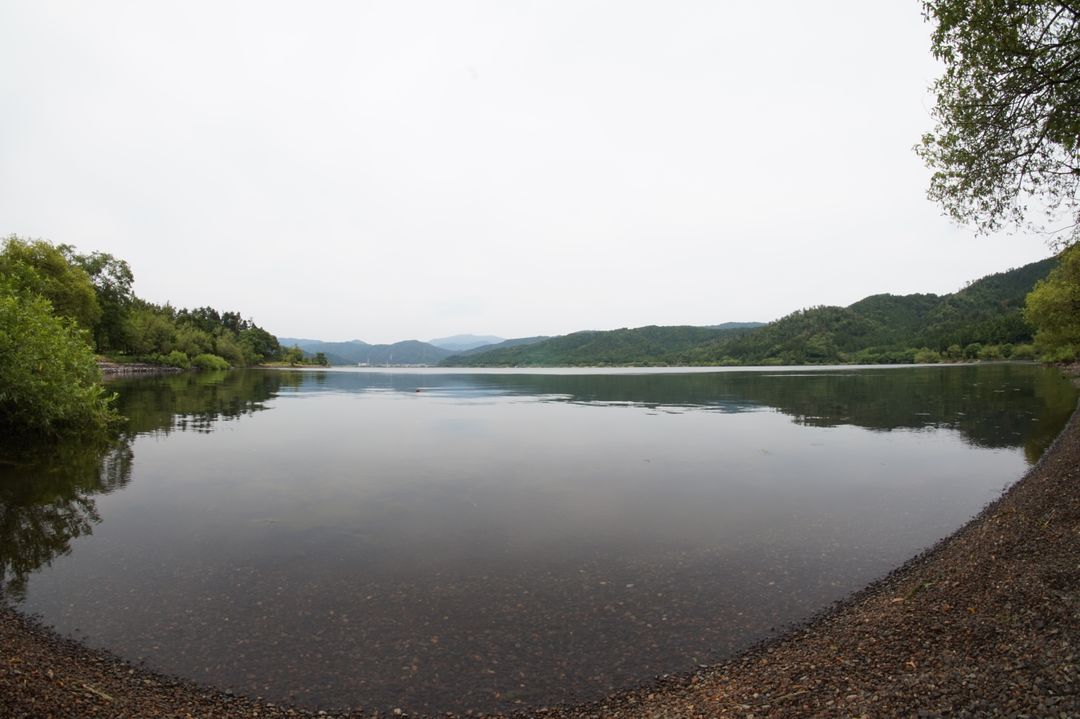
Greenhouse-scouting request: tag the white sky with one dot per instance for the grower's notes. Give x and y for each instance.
(396, 170)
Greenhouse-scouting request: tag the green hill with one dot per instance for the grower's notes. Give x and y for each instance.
(505, 344)
(640, 346)
(983, 320)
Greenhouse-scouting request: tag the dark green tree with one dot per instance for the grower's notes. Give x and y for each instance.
(112, 279)
(1007, 112)
(1054, 307)
(259, 345)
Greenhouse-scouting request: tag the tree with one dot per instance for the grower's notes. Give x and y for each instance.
(1054, 307)
(112, 280)
(49, 381)
(259, 345)
(294, 355)
(35, 267)
(1007, 113)
(150, 331)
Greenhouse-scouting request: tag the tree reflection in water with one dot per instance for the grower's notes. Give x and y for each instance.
(47, 500)
(47, 492)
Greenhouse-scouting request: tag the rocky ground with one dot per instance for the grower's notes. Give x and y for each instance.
(985, 624)
(116, 368)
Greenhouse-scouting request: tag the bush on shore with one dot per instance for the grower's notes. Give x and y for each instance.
(49, 380)
(209, 361)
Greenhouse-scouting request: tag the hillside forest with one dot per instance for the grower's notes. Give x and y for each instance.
(985, 320)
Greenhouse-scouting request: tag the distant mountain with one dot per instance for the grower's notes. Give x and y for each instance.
(462, 343)
(985, 315)
(736, 326)
(409, 352)
(505, 344)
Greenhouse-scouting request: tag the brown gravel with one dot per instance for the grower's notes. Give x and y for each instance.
(985, 624)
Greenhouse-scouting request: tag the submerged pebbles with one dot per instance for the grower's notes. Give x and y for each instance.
(985, 624)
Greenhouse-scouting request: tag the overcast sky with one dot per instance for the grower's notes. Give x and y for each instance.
(396, 170)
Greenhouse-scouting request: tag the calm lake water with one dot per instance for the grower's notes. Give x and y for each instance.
(438, 541)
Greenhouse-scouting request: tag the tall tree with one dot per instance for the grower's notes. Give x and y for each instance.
(112, 279)
(1054, 307)
(1007, 113)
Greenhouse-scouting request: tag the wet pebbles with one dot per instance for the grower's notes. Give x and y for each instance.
(985, 624)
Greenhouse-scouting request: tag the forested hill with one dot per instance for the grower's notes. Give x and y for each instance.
(983, 320)
(643, 345)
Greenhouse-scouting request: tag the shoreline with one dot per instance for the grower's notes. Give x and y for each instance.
(984, 623)
(113, 369)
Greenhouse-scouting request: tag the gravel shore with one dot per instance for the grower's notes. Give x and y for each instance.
(984, 624)
(134, 368)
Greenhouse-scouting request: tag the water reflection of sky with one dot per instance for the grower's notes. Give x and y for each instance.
(494, 539)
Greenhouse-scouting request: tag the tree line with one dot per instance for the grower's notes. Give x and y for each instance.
(60, 309)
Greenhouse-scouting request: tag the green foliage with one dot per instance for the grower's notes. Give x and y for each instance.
(153, 331)
(209, 362)
(880, 329)
(227, 346)
(1054, 308)
(150, 331)
(259, 345)
(112, 280)
(1008, 109)
(37, 268)
(176, 358)
(293, 356)
(926, 356)
(1023, 352)
(53, 300)
(193, 340)
(49, 380)
(641, 346)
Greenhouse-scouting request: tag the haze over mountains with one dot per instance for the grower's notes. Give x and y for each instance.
(462, 343)
(407, 352)
(879, 328)
(358, 352)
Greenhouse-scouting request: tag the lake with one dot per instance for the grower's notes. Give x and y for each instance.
(448, 541)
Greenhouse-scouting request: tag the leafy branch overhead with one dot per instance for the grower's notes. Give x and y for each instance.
(1007, 113)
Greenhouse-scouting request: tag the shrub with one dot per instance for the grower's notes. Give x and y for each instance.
(49, 381)
(176, 358)
(1060, 353)
(226, 347)
(1023, 352)
(926, 356)
(209, 361)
